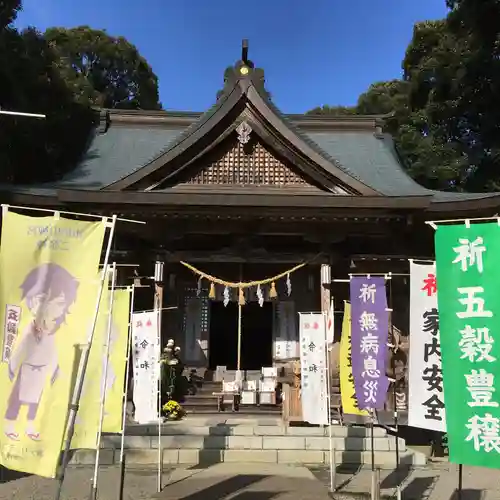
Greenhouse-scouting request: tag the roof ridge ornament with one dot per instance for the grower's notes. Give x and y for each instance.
(244, 52)
(243, 130)
(244, 65)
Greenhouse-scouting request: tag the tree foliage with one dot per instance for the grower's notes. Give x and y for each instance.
(108, 71)
(8, 12)
(63, 75)
(36, 150)
(444, 113)
(333, 110)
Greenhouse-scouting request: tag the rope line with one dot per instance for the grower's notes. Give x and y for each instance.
(242, 285)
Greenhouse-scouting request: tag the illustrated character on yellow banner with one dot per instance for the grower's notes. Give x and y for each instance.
(49, 291)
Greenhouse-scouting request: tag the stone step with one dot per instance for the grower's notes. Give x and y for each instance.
(149, 457)
(200, 400)
(245, 412)
(247, 427)
(316, 443)
(200, 440)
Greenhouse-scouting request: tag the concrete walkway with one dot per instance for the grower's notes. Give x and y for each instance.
(433, 482)
(245, 482)
(229, 481)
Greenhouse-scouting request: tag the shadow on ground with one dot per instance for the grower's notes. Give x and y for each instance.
(228, 487)
(418, 488)
(7, 475)
(396, 477)
(467, 494)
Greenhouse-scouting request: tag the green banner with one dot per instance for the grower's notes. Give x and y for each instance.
(468, 277)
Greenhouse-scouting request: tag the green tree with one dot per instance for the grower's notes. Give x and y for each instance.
(383, 98)
(432, 112)
(333, 110)
(477, 84)
(431, 137)
(8, 12)
(33, 150)
(108, 71)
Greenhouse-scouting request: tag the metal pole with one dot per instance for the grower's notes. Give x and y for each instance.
(158, 303)
(125, 394)
(374, 489)
(65, 212)
(460, 480)
(75, 403)
(93, 489)
(396, 420)
(19, 113)
(238, 363)
(333, 464)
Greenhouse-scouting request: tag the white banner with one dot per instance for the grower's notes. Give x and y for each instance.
(312, 331)
(146, 357)
(425, 380)
(285, 343)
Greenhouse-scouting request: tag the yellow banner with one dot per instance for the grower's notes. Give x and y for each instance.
(347, 391)
(46, 305)
(87, 418)
(115, 382)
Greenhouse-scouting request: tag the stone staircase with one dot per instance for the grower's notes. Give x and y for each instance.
(207, 441)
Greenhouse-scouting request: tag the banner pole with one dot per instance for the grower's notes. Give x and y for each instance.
(158, 303)
(374, 488)
(77, 393)
(125, 395)
(394, 391)
(460, 480)
(333, 464)
(93, 490)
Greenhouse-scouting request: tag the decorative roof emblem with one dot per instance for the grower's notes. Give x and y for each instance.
(244, 130)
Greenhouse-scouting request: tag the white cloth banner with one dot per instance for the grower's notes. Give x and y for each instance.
(425, 380)
(285, 343)
(312, 331)
(146, 357)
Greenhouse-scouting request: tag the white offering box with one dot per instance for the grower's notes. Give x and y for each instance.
(249, 393)
(248, 398)
(250, 385)
(267, 398)
(229, 387)
(269, 372)
(267, 385)
(220, 373)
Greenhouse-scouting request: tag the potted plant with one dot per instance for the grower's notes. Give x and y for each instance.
(173, 410)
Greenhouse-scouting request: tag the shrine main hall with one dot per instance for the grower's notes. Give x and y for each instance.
(243, 192)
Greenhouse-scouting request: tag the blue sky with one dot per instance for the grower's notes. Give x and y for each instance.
(314, 52)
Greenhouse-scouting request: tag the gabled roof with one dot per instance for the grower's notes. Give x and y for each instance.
(243, 98)
(138, 150)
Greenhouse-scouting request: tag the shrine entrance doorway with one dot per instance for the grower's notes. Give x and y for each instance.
(256, 336)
